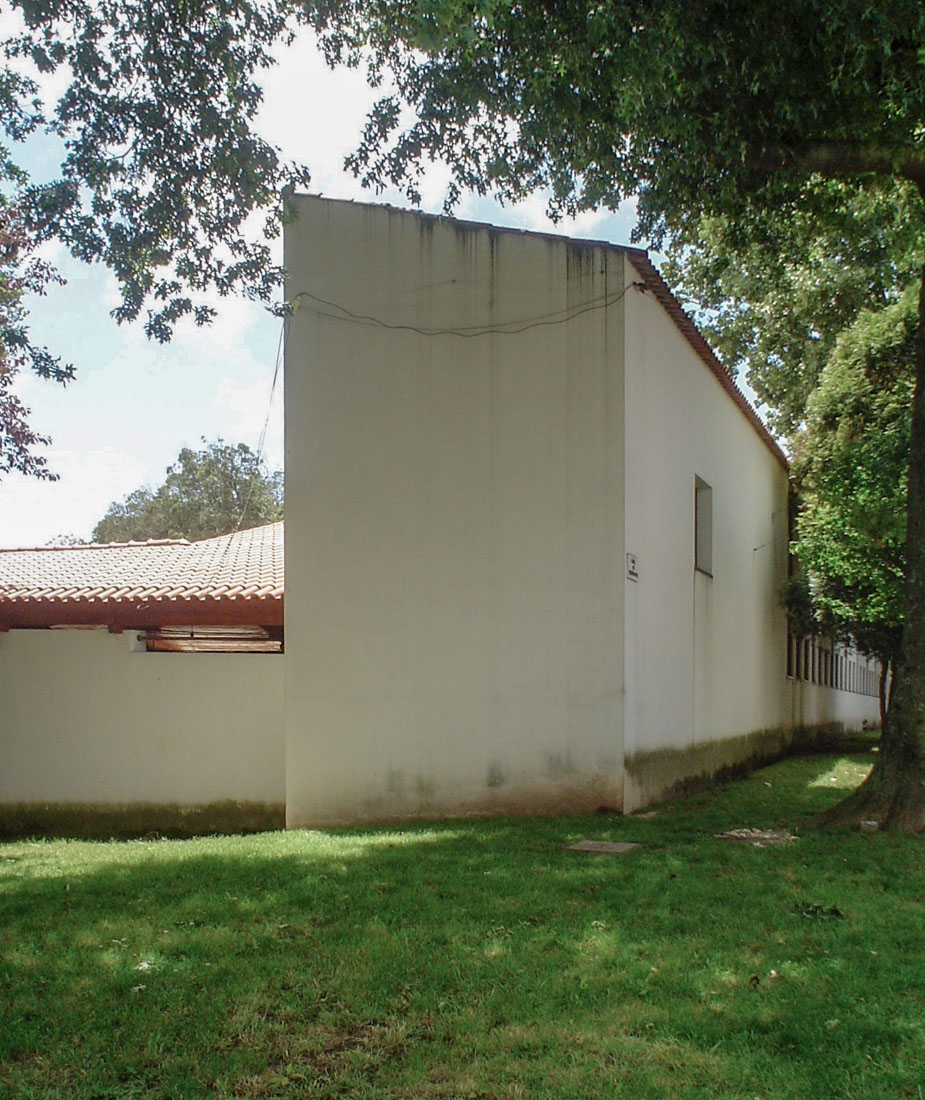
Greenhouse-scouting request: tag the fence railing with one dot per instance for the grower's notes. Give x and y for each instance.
(820, 661)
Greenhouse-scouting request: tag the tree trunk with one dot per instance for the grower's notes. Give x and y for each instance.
(894, 793)
(884, 673)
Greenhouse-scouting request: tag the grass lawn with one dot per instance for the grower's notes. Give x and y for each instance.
(475, 959)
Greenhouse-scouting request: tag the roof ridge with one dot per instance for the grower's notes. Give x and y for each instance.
(237, 531)
(95, 546)
(138, 543)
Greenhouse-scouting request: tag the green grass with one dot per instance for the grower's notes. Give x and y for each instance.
(475, 959)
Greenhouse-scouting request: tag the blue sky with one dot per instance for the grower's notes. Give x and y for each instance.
(135, 404)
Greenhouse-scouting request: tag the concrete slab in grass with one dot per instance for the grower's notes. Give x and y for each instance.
(603, 847)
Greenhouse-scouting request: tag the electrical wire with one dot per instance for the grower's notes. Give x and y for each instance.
(501, 328)
(261, 441)
(466, 332)
(216, 567)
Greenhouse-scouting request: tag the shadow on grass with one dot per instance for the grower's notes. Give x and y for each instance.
(469, 958)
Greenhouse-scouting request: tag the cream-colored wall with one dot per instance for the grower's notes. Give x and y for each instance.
(816, 705)
(705, 656)
(85, 719)
(454, 519)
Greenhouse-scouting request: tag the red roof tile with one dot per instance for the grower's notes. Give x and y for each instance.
(234, 578)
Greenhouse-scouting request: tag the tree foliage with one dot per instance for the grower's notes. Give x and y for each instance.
(161, 165)
(773, 294)
(681, 105)
(213, 491)
(161, 168)
(21, 273)
(684, 106)
(851, 464)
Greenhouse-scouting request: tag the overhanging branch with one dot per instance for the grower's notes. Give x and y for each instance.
(839, 160)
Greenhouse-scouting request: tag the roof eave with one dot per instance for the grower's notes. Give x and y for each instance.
(141, 614)
(657, 285)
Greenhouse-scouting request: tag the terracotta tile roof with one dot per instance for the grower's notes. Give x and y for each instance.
(234, 578)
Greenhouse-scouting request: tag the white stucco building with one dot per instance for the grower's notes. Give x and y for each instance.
(535, 540)
(535, 535)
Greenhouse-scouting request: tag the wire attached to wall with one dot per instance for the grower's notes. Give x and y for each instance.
(468, 332)
(502, 328)
(261, 441)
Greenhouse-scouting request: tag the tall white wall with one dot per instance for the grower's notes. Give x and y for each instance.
(453, 518)
(84, 719)
(706, 681)
(708, 650)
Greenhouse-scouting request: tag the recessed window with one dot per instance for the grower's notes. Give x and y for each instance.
(703, 527)
(213, 639)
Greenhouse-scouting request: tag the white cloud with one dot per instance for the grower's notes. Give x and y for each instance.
(89, 481)
(315, 115)
(248, 407)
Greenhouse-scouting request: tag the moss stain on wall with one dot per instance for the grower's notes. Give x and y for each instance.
(21, 820)
(670, 773)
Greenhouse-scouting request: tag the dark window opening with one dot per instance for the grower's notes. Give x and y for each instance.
(703, 527)
(213, 639)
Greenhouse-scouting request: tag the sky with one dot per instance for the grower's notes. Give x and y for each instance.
(135, 403)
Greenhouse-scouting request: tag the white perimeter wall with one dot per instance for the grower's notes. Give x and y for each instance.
(85, 719)
(453, 519)
(814, 704)
(705, 656)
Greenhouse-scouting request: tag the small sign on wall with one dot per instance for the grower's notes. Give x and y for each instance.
(632, 573)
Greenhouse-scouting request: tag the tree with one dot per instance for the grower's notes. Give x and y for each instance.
(215, 491)
(160, 170)
(851, 466)
(773, 295)
(21, 273)
(688, 108)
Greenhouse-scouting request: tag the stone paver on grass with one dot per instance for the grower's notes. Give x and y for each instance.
(603, 847)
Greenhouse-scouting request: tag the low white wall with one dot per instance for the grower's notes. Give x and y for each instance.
(84, 719)
(815, 705)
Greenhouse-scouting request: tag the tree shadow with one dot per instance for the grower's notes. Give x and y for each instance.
(232, 966)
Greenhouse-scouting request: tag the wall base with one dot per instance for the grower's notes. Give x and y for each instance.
(20, 820)
(526, 799)
(670, 773)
